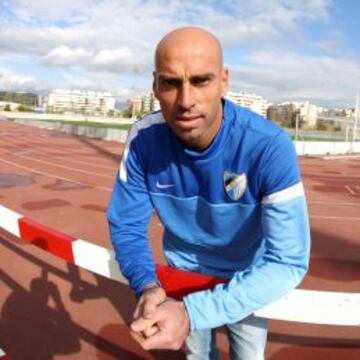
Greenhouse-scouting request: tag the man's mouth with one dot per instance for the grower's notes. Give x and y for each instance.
(187, 118)
(187, 122)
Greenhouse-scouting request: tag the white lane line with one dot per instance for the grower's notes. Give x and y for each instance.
(335, 217)
(340, 157)
(60, 155)
(321, 176)
(63, 166)
(55, 176)
(332, 203)
(87, 163)
(348, 188)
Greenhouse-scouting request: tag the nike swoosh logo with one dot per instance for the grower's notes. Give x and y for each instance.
(163, 186)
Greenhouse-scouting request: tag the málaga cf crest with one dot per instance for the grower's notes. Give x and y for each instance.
(235, 185)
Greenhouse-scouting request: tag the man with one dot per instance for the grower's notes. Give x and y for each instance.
(226, 186)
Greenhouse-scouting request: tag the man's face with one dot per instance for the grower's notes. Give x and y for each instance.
(189, 82)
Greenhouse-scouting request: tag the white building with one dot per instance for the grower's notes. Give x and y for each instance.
(143, 104)
(250, 101)
(146, 101)
(77, 101)
(135, 105)
(288, 112)
(9, 106)
(149, 103)
(308, 113)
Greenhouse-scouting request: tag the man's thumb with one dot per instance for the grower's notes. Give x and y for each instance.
(141, 324)
(149, 310)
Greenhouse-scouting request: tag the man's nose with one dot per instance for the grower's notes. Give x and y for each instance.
(186, 97)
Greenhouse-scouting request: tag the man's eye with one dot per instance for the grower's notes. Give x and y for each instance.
(169, 82)
(200, 81)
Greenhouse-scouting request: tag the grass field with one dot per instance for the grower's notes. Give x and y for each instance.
(95, 124)
(302, 136)
(316, 138)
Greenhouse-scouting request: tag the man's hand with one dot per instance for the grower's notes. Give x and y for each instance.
(152, 296)
(173, 325)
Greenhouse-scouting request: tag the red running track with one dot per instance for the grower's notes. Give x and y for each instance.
(54, 310)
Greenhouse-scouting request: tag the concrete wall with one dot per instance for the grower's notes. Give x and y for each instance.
(92, 132)
(66, 117)
(326, 147)
(302, 147)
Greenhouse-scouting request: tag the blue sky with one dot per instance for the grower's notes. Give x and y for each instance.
(283, 50)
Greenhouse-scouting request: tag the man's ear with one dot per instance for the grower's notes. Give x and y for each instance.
(224, 81)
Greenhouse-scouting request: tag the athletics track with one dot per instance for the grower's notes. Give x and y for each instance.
(64, 182)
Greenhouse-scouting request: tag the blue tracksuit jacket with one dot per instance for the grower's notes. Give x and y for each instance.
(235, 210)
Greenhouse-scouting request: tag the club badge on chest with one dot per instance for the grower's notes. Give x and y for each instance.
(235, 185)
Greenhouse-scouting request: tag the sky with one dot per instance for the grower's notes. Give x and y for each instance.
(282, 50)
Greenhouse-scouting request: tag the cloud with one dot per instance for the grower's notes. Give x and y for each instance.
(65, 56)
(259, 22)
(281, 76)
(105, 82)
(18, 82)
(120, 60)
(123, 94)
(41, 25)
(117, 60)
(41, 40)
(110, 44)
(43, 11)
(79, 82)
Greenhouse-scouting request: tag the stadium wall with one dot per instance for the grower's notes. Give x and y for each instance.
(302, 147)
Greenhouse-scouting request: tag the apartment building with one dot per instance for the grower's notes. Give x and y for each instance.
(287, 113)
(78, 101)
(149, 103)
(135, 105)
(250, 101)
(23, 98)
(9, 106)
(143, 104)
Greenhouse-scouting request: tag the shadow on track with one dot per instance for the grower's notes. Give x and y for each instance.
(47, 325)
(29, 326)
(99, 149)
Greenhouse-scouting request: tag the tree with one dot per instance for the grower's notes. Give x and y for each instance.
(127, 113)
(321, 126)
(8, 97)
(7, 107)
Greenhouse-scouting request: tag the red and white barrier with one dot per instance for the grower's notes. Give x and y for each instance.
(3, 356)
(307, 306)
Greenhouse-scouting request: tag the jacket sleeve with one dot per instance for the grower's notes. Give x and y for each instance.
(129, 213)
(286, 237)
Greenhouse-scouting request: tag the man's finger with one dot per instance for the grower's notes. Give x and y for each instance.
(150, 331)
(149, 308)
(141, 324)
(139, 309)
(159, 340)
(156, 341)
(173, 323)
(141, 337)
